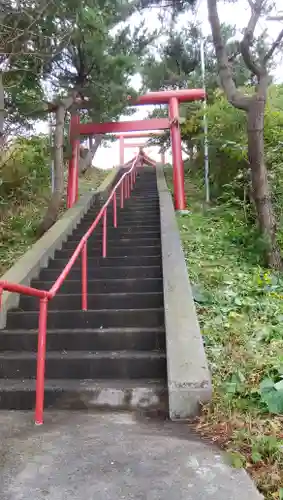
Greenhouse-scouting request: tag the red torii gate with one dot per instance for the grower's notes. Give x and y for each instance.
(170, 97)
(141, 146)
(136, 135)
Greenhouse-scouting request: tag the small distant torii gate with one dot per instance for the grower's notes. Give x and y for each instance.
(136, 135)
(170, 97)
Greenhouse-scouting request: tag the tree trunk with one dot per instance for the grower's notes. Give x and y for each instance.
(260, 184)
(2, 110)
(86, 161)
(57, 195)
(56, 200)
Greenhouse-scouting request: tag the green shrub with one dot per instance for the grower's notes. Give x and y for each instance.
(24, 170)
(229, 175)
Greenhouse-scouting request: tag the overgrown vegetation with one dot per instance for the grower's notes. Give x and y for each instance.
(25, 187)
(240, 309)
(92, 179)
(24, 192)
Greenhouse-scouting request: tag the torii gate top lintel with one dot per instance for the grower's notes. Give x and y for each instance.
(164, 96)
(139, 135)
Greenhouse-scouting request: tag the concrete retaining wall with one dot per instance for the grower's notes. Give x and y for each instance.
(189, 382)
(37, 257)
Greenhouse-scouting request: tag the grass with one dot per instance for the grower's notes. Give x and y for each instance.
(18, 224)
(19, 221)
(240, 309)
(92, 179)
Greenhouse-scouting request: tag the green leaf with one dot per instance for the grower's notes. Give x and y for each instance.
(236, 459)
(266, 385)
(238, 301)
(274, 401)
(280, 493)
(230, 387)
(256, 457)
(279, 385)
(198, 294)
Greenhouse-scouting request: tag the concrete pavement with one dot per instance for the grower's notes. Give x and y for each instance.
(111, 456)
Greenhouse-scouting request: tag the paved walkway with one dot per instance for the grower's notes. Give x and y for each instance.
(83, 456)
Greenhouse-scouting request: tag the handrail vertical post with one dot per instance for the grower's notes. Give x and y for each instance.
(115, 209)
(41, 355)
(104, 241)
(122, 194)
(84, 277)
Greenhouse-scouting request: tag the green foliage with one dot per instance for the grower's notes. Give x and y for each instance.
(272, 394)
(240, 309)
(176, 60)
(24, 189)
(102, 54)
(229, 172)
(24, 170)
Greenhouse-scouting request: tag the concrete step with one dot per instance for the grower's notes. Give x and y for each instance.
(126, 228)
(86, 365)
(96, 301)
(117, 244)
(126, 218)
(122, 261)
(129, 395)
(116, 235)
(113, 251)
(120, 231)
(126, 272)
(130, 205)
(63, 319)
(116, 339)
(107, 286)
(121, 227)
(141, 199)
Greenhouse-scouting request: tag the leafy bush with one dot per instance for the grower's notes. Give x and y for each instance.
(229, 174)
(24, 170)
(24, 189)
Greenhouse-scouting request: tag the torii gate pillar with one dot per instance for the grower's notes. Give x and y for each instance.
(122, 149)
(178, 164)
(73, 176)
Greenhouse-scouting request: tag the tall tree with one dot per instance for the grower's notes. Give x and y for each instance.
(92, 71)
(29, 39)
(253, 105)
(257, 59)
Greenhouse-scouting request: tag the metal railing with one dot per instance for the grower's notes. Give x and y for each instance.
(125, 184)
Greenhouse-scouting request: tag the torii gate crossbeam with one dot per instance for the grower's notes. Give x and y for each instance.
(137, 125)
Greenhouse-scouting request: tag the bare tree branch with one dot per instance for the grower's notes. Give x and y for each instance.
(273, 47)
(235, 97)
(246, 43)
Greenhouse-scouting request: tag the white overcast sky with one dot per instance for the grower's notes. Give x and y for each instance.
(234, 14)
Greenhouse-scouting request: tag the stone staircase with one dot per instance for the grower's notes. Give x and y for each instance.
(113, 355)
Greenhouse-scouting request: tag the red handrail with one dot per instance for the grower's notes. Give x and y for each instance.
(126, 183)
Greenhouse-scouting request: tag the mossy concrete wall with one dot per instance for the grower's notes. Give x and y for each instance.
(189, 382)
